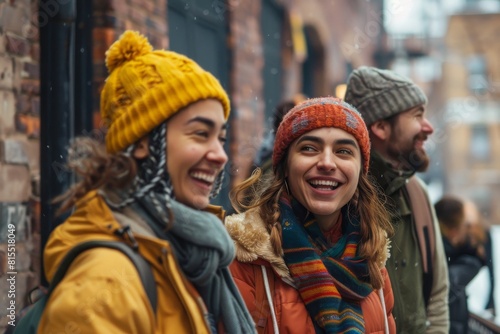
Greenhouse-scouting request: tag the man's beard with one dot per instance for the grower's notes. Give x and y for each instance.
(409, 157)
(419, 160)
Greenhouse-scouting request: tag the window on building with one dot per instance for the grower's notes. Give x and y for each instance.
(480, 147)
(477, 80)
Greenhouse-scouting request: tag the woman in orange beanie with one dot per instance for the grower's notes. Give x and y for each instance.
(148, 188)
(311, 243)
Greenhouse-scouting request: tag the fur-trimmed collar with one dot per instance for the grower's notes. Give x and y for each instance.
(252, 241)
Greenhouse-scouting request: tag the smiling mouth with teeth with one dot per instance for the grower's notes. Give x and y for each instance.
(207, 178)
(324, 184)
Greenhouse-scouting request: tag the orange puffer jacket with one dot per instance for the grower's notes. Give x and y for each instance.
(262, 276)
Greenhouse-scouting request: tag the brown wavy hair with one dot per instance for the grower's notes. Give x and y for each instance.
(95, 168)
(263, 191)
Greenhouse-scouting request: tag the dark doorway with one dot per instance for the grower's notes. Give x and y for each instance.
(198, 29)
(65, 99)
(272, 38)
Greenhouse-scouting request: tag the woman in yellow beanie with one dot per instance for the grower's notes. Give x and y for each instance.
(150, 188)
(311, 242)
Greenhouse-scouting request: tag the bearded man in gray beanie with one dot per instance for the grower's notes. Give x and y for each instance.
(393, 108)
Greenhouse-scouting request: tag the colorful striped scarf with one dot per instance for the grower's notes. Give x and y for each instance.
(331, 279)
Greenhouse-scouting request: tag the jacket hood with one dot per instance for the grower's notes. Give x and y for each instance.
(252, 241)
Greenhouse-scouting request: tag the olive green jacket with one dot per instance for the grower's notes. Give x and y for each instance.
(405, 265)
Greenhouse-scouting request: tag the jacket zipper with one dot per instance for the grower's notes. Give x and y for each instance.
(176, 284)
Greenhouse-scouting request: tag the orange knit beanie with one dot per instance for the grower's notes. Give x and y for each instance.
(320, 113)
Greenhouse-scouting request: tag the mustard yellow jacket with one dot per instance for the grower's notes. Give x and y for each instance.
(102, 291)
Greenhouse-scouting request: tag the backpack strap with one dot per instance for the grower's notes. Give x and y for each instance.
(424, 227)
(142, 266)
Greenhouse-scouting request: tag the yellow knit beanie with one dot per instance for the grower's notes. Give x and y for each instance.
(146, 87)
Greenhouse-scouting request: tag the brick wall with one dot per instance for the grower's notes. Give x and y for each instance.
(111, 18)
(246, 86)
(19, 151)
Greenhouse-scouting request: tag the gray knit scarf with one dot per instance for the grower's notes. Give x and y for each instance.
(204, 251)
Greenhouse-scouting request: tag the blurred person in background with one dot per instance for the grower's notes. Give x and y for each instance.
(479, 243)
(462, 266)
(393, 108)
(476, 230)
(264, 156)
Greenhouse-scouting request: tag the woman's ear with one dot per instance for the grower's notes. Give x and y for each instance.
(141, 149)
(381, 130)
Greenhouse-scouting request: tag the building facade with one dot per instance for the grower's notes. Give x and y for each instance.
(471, 118)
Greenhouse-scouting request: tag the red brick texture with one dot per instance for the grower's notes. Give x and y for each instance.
(246, 87)
(19, 144)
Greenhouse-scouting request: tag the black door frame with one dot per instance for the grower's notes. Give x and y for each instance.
(65, 98)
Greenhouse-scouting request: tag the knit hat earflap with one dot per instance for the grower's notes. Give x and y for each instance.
(146, 87)
(321, 113)
(379, 94)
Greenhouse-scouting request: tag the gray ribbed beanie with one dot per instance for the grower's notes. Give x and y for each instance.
(379, 94)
